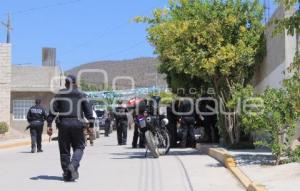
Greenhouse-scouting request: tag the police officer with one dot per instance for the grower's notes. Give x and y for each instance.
(107, 124)
(172, 126)
(36, 117)
(187, 122)
(121, 123)
(209, 119)
(137, 135)
(71, 106)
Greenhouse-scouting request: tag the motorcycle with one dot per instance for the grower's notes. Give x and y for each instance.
(156, 134)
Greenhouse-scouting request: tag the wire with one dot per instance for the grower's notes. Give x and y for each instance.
(98, 36)
(123, 51)
(33, 9)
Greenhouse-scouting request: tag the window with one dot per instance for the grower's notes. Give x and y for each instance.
(20, 108)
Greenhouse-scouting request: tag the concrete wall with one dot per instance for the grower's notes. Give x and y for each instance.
(36, 78)
(281, 51)
(5, 82)
(280, 54)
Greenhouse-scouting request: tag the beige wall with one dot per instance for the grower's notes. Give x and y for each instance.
(5, 82)
(280, 54)
(281, 51)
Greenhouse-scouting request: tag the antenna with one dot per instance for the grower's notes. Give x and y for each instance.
(8, 27)
(267, 10)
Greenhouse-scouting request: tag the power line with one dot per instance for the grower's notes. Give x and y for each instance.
(124, 50)
(53, 5)
(98, 36)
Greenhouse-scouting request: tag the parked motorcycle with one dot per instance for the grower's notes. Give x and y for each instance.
(154, 128)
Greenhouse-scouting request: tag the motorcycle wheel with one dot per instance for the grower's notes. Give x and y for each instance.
(151, 144)
(164, 142)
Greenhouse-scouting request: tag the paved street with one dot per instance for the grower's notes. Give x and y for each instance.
(114, 168)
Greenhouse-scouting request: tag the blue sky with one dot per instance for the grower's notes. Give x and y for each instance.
(81, 30)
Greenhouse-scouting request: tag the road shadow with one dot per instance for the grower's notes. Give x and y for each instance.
(128, 155)
(112, 145)
(184, 152)
(45, 177)
(25, 152)
(141, 153)
(215, 165)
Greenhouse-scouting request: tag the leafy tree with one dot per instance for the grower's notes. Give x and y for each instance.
(86, 86)
(209, 43)
(292, 23)
(276, 119)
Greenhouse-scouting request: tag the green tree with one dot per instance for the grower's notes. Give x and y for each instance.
(276, 120)
(292, 23)
(86, 86)
(209, 43)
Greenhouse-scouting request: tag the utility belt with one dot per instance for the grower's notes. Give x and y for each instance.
(71, 117)
(66, 122)
(36, 124)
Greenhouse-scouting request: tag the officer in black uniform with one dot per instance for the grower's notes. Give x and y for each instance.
(107, 124)
(70, 106)
(187, 122)
(209, 120)
(121, 123)
(172, 126)
(36, 117)
(137, 135)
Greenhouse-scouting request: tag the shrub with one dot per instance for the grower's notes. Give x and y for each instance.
(3, 127)
(277, 120)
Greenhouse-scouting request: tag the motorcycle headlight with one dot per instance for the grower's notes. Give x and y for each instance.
(165, 121)
(148, 119)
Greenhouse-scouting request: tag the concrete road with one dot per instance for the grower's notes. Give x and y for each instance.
(109, 167)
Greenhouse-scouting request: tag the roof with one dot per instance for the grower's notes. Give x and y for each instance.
(31, 78)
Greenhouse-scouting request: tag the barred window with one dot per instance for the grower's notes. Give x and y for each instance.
(20, 108)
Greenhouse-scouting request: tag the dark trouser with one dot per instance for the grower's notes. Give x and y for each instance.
(138, 136)
(211, 130)
(122, 132)
(107, 129)
(36, 137)
(172, 129)
(67, 138)
(188, 134)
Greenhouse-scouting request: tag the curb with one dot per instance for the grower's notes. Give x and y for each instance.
(14, 145)
(19, 144)
(223, 156)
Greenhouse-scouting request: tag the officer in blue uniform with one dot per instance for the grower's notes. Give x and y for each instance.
(70, 106)
(36, 117)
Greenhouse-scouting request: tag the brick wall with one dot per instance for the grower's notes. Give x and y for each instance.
(5, 82)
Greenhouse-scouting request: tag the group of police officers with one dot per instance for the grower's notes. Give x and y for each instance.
(70, 107)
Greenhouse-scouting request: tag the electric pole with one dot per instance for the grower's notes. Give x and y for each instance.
(8, 27)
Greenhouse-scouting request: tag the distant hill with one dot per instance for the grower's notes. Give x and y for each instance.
(142, 70)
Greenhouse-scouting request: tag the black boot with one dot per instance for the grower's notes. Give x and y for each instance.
(67, 176)
(33, 150)
(73, 171)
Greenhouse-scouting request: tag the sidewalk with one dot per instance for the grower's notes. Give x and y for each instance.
(257, 165)
(17, 139)
(13, 135)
